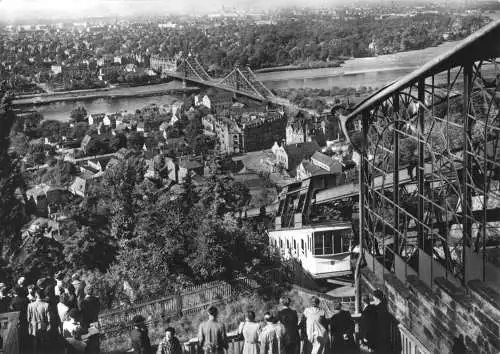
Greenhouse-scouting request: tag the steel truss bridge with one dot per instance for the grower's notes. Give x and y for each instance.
(241, 82)
(440, 123)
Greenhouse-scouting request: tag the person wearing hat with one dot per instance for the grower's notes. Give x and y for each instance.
(140, 337)
(212, 336)
(342, 329)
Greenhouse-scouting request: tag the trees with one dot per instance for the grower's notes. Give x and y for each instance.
(117, 142)
(90, 248)
(11, 183)
(53, 129)
(79, 130)
(79, 114)
(40, 256)
(135, 141)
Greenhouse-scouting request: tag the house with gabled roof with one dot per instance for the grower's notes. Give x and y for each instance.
(326, 163)
(96, 118)
(80, 187)
(290, 156)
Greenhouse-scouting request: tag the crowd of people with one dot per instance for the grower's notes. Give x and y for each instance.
(282, 332)
(56, 314)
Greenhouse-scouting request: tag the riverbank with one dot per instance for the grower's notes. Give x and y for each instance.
(171, 88)
(316, 65)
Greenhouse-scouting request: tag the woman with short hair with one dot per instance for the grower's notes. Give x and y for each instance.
(250, 331)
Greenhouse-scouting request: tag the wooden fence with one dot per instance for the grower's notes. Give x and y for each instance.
(197, 298)
(188, 301)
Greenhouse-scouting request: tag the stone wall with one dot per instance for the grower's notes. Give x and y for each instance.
(437, 316)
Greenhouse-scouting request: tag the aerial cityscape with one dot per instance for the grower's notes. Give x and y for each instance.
(287, 177)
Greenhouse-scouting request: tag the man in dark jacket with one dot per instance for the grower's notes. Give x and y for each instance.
(4, 299)
(20, 303)
(289, 319)
(342, 329)
(90, 315)
(140, 337)
(368, 324)
(383, 326)
(90, 308)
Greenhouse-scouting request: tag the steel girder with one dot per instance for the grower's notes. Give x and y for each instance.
(434, 140)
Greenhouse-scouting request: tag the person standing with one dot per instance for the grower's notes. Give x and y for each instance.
(290, 320)
(314, 324)
(368, 324)
(31, 292)
(169, 344)
(5, 299)
(20, 303)
(342, 329)
(90, 318)
(383, 324)
(63, 308)
(90, 307)
(21, 284)
(268, 338)
(79, 286)
(59, 286)
(140, 337)
(39, 323)
(212, 336)
(250, 332)
(72, 301)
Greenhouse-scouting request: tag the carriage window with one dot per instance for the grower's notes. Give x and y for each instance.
(327, 242)
(341, 241)
(318, 243)
(287, 244)
(324, 243)
(337, 243)
(302, 244)
(281, 243)
(294, 244)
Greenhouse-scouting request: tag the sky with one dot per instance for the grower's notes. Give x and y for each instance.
(26, 9)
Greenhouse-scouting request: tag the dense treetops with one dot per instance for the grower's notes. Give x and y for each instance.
(127, 228)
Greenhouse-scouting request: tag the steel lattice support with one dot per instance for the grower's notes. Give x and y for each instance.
(246, 82)
(430, 167)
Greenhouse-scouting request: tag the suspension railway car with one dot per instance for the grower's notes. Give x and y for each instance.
(324, 251)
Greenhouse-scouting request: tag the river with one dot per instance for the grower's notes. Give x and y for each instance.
(374, 72)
